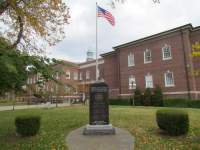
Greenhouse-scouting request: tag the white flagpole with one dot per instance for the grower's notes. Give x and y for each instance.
(96, 43)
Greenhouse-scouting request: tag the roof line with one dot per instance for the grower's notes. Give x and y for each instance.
(187, 26)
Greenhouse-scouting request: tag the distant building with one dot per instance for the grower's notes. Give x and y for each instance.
(162, 59)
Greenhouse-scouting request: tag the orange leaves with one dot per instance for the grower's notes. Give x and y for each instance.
(43, 20)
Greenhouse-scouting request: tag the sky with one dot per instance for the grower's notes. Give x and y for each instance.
(134, 19)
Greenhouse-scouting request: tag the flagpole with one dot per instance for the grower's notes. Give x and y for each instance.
(96, 42)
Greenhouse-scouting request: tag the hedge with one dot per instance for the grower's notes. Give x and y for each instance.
(182, 103)
(193, 103)
(121, 101)
(27, 125)
(174, 122)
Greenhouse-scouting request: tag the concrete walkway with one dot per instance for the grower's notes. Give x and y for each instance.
(3, 108)
(122, 140)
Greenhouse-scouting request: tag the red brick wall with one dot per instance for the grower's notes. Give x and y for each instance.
(158, 66)
(111, 74)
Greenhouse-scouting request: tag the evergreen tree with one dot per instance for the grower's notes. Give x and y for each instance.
(157, 99)
(147, 97)
(138, 97)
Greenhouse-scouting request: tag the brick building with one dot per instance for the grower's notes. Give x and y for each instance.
(162, 59)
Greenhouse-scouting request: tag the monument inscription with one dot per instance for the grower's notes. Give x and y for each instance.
(99, 112)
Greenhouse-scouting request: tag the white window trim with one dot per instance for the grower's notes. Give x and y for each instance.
(57, 75)
(87, 75)
(80, 76)
(75, 75)
(165, 76)
(168, 58)
(146, 62)
(131, 65)
(68, 72)
(131, 87)
(146, 80)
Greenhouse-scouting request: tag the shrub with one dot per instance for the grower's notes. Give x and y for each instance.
(182, 103)
(174, 122)
(137, 97)
(120, 101)
(157, 97)
(131, 101)
(194, 103)
(147, 97)
(27, 125)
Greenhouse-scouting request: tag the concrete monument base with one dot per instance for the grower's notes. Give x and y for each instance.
(121, 140)
(99, 130)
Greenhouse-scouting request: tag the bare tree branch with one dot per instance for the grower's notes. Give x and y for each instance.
(20, 34)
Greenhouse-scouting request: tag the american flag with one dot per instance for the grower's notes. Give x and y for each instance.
(106, 14)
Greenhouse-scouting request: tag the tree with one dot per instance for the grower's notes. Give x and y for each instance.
(138, 97)
(157, 98)
(16, 66)
(147, 97)
(194, 71)
(33, 24)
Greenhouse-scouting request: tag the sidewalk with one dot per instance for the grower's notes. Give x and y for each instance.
(17, 107)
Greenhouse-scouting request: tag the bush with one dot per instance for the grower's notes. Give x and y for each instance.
(138, 97)
(193, 103)
(157, 97)
(120, 101)
(182, 103)
(147, 97)
(27, 125)
(174, 122)
(131, 101)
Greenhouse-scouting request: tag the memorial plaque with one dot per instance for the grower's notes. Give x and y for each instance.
(99, 109)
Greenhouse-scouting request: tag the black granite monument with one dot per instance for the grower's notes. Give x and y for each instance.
(99, 111)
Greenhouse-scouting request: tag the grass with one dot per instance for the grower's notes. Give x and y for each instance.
(58, 122)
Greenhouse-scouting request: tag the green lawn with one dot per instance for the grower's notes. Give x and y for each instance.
(58, 122)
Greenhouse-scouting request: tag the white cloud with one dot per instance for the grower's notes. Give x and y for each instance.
(134, 19)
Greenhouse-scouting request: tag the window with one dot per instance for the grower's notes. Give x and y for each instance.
(28, 81)
(52, 89)
(131, 60)
(57, 75)
(147, 56)
(166, 52)
(56, 88)
(87, 74)
(98, 73)
(169, 79)
(132, 83)
(31, 81)
(67, 75)
(149, 81)
(80, 76)
(75, 75)
(67, 89)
